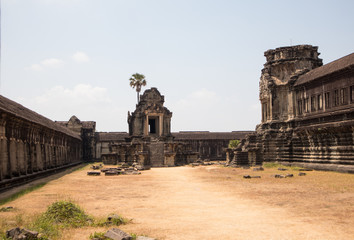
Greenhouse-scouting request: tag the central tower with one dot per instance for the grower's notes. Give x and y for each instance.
(150, 120)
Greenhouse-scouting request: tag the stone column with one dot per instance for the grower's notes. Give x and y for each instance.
(28, 157)
(39, 157)
(13, 158)
(146, 126)
(44, 158)
(21, 157)
(4, 159)
(33, 157)
(160, 125)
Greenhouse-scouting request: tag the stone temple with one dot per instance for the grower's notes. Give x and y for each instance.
(307, 112)
(150, 142)
(307, 120)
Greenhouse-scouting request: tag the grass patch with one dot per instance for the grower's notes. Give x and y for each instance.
(112, 220)
(21, 193)
(273, 165)
(60, 215)
(278, 165)
(100, 236)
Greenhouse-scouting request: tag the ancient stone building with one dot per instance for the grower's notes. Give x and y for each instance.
(86, 130)
(209, 145)
(104, 141)
(150, 142)
(32, 145)
(307, 112)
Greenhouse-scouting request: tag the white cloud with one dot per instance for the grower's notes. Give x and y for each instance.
(201, 98)
(81, 95)
(80, 57)
(35, 67)
(46, 63)
(52, 62)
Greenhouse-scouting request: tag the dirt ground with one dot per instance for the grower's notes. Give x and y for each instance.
(210, 202)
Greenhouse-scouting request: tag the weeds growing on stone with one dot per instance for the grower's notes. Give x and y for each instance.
(114, 221)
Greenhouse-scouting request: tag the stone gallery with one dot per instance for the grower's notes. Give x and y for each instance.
(32, 145)
(307, 112)
(307, 119)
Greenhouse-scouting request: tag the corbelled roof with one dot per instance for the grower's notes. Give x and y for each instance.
(88, 124)
(20, 111)
(329, 68)
(112, 136)
(197, 135)
(210, 135)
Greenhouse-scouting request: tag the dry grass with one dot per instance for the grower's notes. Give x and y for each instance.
(204, 203)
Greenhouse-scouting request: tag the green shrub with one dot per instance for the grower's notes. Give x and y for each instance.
(67, 214)
(234, 143)
(59, 215)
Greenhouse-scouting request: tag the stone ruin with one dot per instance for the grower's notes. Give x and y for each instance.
(150, 142)
(307, 112)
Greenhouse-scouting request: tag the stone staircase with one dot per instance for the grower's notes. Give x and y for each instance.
(157, 154)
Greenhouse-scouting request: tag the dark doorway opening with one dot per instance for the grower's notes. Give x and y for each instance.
(152, 126)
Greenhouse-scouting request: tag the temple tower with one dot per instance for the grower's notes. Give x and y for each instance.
(150, 119)
(281, 70)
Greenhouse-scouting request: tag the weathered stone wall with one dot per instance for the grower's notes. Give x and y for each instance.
(313, 124)
(31, 144)
(87, 131)
(209, 145)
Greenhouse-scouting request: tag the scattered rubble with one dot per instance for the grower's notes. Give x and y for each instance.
(117, 234)
(121, 171)
(96, 167)
(248, 176)
(283, 176)
(282, 169)
(23, 234)
(6, 209)
(258, 169)
(93, 173)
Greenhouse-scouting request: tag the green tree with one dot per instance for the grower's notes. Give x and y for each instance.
(136, 81)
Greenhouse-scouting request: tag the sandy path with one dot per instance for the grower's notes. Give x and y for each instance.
(185, 208)
(178, 203)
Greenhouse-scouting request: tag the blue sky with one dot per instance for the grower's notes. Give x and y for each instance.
(74, 57)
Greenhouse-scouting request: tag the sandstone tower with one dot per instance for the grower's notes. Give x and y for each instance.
(282, 68)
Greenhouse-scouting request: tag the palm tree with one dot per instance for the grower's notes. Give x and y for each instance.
(136, 81)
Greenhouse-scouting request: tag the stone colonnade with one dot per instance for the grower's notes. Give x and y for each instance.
(27, 148)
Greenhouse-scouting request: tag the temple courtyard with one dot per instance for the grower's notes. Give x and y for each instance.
(203, 202)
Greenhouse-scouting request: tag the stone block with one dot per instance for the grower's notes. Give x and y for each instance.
(282, 169)
(258, 169)
(302, 174)
(93, 173)
(117, 234)
(111, 173)
(23, 234)
(248, 176)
